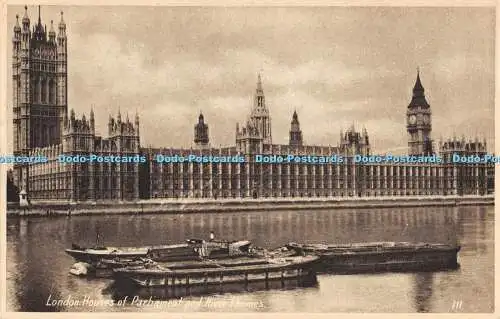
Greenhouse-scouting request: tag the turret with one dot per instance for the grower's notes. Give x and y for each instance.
(52, 33)
(295, 131)
(61, 37)
(111, 124)
(39, 33)
(17, 29)
(62, 66)
(71, 121)
(260, 113)
(26, 21)
(16, 44)
(136, 123)
(365, 136)
(353, 142)
(201, 138)
(92, 120)
(65, 121)
(62, 40)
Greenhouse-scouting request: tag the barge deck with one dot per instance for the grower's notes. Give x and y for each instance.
(193, 249)
(218, 272)
(381, 256)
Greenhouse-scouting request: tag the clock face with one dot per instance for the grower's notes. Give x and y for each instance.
(37, 52)
(412, 119)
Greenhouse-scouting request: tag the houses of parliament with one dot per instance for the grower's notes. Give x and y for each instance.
(43, 126)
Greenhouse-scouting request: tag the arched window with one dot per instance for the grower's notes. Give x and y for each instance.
(36, 90)
(52, 132)
(52, 91)
(43, 88)
(45, 134)
(35, 138)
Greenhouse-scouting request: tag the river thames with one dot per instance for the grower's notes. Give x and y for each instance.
(37, 266)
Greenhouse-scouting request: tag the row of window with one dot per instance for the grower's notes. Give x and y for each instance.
(65, 193)
(198, 169)
(292, 194)
(83, 183)
(43, 90)
(226, 184)
(43, 67)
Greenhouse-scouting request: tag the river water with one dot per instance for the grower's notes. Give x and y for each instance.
(37, 267)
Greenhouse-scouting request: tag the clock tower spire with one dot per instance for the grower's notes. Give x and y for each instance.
(418, 121)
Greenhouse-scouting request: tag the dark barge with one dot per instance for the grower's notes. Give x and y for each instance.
(381, 256)
(202, 274)
(192, 249)
(100, 261)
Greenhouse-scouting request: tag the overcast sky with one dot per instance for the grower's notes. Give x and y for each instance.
(334, 65)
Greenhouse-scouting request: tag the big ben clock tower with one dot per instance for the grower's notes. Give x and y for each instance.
(418, 122)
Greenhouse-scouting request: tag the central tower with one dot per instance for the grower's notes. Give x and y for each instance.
(201, 133)
(295, 131)
(260, 113)
(418, 122)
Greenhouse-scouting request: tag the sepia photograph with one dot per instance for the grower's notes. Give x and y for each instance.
(257, 159)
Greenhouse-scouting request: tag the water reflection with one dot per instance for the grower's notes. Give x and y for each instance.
(128, 294)
(423, 286)
(38, 267)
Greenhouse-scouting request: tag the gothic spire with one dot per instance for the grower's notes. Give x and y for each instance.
(295, 132)
(418, 98)
(259, 99)
(62, 19)
(418, 85)
(62, 27)
(39, 33)
(52, 27)
(259, 84)
(26, 19)
(119, 116)
(17, 27)
(295, 118)
(201, 132)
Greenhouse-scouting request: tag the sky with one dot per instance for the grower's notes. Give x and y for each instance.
(334, 65)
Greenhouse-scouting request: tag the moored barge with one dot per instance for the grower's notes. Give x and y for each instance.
(101, 261)
(95, 254)
(242, 270)
(192, 249)
(381, 256)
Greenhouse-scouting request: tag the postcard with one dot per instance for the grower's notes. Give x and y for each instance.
(285, 159)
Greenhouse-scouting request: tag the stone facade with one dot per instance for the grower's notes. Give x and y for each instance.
(42, 126)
